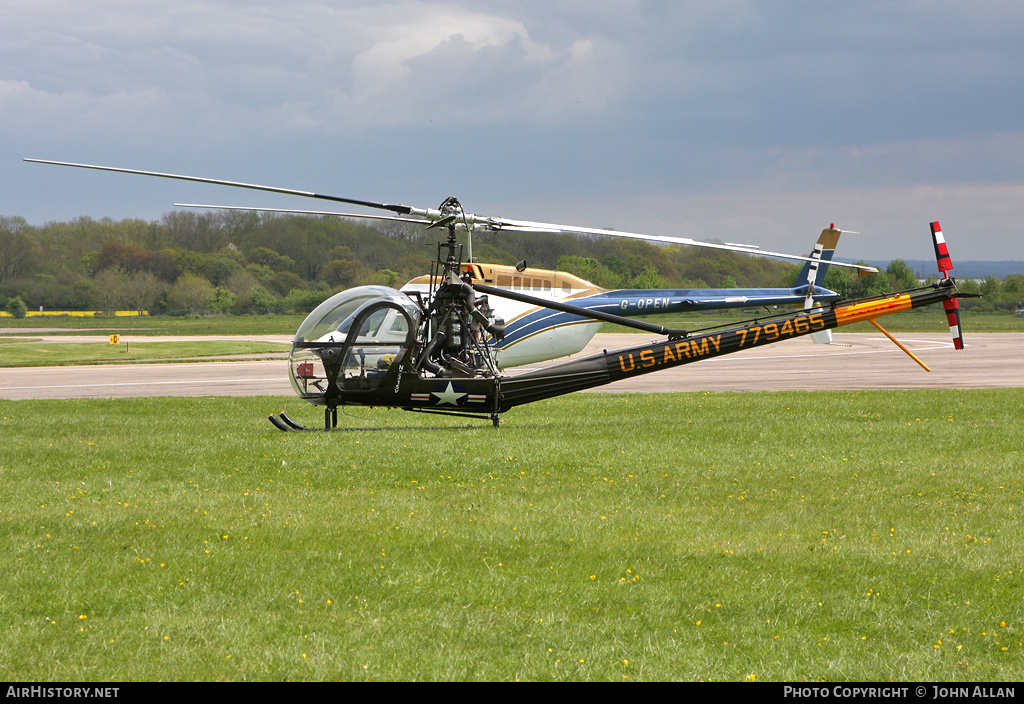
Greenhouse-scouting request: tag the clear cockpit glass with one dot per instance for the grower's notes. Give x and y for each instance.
(350, 341)
(331, 320)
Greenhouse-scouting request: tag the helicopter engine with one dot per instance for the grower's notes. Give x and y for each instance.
(460, 323)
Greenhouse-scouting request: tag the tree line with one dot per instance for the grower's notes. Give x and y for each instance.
(247, 262)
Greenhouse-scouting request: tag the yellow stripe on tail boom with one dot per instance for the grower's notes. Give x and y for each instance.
(858, 312)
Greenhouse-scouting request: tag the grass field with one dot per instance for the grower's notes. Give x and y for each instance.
(35, 354)
(283, 324)
(777, 536)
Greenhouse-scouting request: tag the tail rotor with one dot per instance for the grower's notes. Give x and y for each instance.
(945, 266)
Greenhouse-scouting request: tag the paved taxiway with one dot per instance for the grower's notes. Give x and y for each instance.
(856, 361)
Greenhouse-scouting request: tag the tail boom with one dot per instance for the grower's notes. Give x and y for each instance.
(607, 367)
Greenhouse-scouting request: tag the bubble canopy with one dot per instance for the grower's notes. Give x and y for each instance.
(349, 343)
(331, 320)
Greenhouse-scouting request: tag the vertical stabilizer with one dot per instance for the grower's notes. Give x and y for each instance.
(814, 271)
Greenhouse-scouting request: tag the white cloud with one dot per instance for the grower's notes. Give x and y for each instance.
(699, 107)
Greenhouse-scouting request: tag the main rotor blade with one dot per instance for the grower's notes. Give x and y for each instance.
(364, 216)
(503, 225)
(400, 209)
(430, 214)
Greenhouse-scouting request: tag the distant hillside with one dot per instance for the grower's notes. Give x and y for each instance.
(963, 270)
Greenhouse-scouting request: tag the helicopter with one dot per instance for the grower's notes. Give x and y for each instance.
(377, 346)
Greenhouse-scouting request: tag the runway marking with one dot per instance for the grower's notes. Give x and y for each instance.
(934, 345)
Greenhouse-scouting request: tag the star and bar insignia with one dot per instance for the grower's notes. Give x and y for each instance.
(448, 394)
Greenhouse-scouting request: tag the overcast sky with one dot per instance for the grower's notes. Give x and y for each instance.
(758, 122)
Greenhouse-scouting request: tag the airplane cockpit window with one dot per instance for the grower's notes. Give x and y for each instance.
(399, 325)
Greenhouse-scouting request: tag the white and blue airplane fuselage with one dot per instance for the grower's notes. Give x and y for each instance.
(535, 334)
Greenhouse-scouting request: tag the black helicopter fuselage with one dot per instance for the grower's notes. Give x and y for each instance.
(402, 381)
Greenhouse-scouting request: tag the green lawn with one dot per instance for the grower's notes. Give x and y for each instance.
(35, 354)
(163, 325)
(860, 536)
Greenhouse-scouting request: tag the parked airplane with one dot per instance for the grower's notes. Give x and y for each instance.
(534, 333)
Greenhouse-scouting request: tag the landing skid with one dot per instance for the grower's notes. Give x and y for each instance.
(283, 422)
(493, 416)
(277, 423)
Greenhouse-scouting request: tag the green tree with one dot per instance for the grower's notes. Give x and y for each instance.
(222, 300)
(191, 292)
(285, 281)
(648, 278)
(17, 307)
(109, 290)
(614, 264)
(387, 277)
(344, 273)
(990, 287)
(15, 250)
(143, 290)
(593, 271)
(121, 256)
(1013, 285)
(265, 256)
(901, 276)
(261, 300)
(302, 300)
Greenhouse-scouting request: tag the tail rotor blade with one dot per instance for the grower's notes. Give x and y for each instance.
(952, 306)
(941, 251)
(953, 318)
